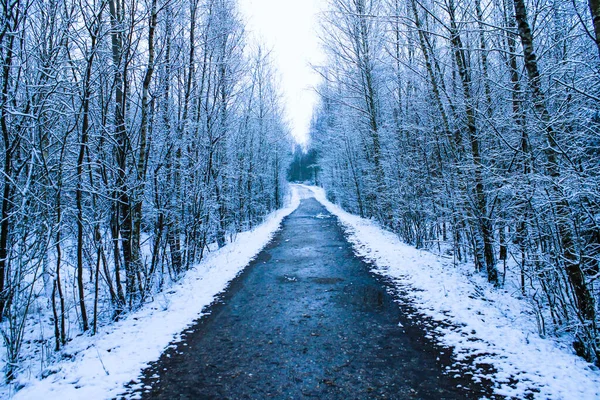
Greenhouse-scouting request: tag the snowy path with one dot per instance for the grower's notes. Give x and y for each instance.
(306, 319)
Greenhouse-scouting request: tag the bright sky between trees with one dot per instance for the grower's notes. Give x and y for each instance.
(289, 29)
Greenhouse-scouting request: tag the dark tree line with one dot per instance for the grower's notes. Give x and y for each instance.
(473, 127)
(135, 134)
(304, 166)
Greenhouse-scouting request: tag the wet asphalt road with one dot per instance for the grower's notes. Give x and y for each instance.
(305, 320)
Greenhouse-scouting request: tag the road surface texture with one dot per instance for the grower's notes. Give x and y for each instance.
(306, 320)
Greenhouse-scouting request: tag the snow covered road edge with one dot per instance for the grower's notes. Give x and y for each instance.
(488, 326)
(98, 367)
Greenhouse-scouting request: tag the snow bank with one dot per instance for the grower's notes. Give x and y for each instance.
(98, 367)
(488, 326)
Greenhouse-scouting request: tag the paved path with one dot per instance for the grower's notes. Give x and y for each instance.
(305, 320)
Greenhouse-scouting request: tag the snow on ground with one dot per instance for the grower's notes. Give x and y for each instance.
(487, 325)
(98, 367)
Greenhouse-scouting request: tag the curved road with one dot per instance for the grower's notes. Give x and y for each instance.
(306, 319)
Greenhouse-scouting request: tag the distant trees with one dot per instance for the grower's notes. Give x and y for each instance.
(135, 134)
(304, 166)
(473, 126)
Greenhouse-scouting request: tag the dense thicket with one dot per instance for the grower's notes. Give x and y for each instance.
(474, 126)
(304, 167)
(135, 134)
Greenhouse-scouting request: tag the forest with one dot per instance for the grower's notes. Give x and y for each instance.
(303, 166)
(139, 137)
(472, 128)
(136, 137)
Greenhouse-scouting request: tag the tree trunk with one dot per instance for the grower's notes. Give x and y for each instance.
(484, 58)
(143, 156)
(9, 148)
(85, 126)
(595, 11)
(122, 199)
(481, 213)
(365, 65)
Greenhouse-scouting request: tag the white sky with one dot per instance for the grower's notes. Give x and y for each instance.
(289, 28)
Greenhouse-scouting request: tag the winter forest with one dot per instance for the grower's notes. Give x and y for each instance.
(474, 125)
(139, 137)
(135, 134)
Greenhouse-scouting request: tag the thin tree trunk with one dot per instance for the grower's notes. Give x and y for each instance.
(96, 292)
(595, 11)
(519, 118)
(60, 327)
(484, 58)
(484, 220)
(143, 157)
(11, 15)
(366, 70)
(57, 337)
(122, 198)
(85, 126)
(453, 141)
